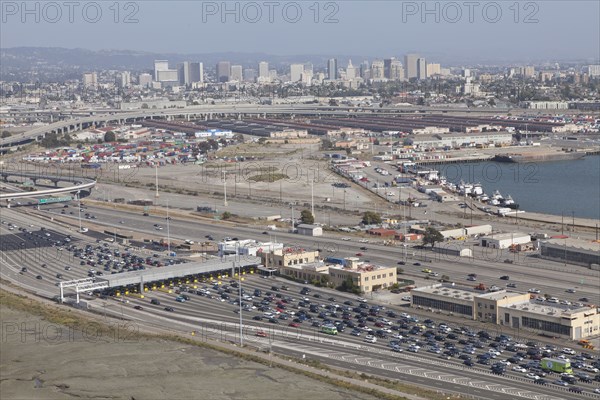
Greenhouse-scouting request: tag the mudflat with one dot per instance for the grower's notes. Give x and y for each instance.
(41, 360)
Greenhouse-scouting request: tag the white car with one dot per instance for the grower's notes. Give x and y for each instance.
(552, 300)
(346, 239)
(597, 390)
(518, 368)
(414, 349)
(364, 240)
(569, 351)
(533, 376)
(590, 368)
(370, 339)
(534, 290)
(405, 298)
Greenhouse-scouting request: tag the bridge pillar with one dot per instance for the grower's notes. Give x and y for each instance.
(55, 183)
(7, 203)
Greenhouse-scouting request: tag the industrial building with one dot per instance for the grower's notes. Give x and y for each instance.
(248, 247)
(309, 230)
(573, 251)
(504, 240)
(517, 310)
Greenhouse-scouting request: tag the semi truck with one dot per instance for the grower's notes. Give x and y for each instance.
(556, 365)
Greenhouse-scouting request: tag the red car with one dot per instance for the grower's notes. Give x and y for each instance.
(261, 334)
(359, 254)
(294, 324)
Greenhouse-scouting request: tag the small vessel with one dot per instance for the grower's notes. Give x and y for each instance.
(477, 189)
(497, 196)
(510, 203)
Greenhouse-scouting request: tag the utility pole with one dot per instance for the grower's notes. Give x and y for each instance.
(562, 224)
(156, 175)
(573, 212)
(168, 230)
(225, 188)
(312, 197)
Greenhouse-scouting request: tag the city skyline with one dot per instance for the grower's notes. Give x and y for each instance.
(382, 34)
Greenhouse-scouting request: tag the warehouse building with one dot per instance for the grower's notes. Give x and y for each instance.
(516, 310)
(504, 240)
(247, 247)
(573, 251)
(309, 230)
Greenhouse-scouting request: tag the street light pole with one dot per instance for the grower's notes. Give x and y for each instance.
(168, 230)
(237, 252)
(225, 188)
(79, 200)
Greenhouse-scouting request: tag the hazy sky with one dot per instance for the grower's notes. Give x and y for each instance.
(469, 30)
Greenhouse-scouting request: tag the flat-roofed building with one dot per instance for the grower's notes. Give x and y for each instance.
(504, 240)
(516, 310)
(310, 230)
(573, 251)
(552, 319)
(248, 247)
(285, 257)
(367, 277)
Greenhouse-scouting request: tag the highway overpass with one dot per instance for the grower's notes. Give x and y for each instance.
(80, 184)
(209, 112)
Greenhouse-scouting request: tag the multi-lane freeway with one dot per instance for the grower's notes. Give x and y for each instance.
(46, 253)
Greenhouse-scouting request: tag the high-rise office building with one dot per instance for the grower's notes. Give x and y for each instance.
(332, 69)
(90, 80)
(410, 65)
(169, 75)
(263, 69)
(144, 80)
(296, 71)
(433, 69)
(387, 67)
(350, 70)
(223, 71)
(378, 70)
(421, 68)
(190, 72)
(160, 65)
(364, 70)
(123, 79)
(237, 72)
(396, 70)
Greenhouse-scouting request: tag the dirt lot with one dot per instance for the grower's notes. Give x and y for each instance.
(47, 362)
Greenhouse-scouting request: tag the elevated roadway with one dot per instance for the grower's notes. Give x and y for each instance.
(80, 184)
(76, 124)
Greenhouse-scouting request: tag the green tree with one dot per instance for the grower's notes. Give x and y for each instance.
(349, 286)
(110, 136)
(306, 217)
(370, 218)
(432, 236)
(326, 144)
(5, 134)
(226, 215)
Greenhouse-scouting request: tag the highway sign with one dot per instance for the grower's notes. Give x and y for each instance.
(54, 200)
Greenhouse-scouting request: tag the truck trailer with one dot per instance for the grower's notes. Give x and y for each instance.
(556, 365)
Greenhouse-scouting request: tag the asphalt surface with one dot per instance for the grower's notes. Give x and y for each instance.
(216, 319)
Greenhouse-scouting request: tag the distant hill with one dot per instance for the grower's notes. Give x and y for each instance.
(28, 58)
